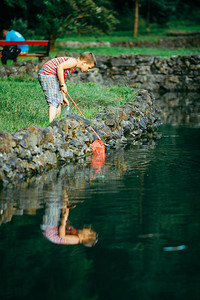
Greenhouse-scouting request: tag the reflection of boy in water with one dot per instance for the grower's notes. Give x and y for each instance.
(85, 236)
(66, 234)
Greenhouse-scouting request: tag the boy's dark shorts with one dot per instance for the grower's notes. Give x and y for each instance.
(51, 88)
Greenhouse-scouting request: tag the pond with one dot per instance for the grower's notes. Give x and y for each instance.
(142, 209)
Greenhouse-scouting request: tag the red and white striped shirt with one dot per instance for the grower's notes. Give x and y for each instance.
(50, 67)
(51, 233)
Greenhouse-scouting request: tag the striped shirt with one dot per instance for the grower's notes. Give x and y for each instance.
(50, 67)
(51, 233)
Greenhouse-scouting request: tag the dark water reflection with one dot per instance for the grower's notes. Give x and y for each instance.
(179, 108)
(144, 206)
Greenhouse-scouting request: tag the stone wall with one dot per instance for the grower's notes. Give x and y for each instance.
(32, 150)
(179, 108)
(170, 43)
(176, 73)
(151, 72)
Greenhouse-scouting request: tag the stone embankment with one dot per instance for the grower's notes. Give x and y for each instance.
(169, 43)
(192, 41)
(33, 150)
(176, 73)
(179, 108)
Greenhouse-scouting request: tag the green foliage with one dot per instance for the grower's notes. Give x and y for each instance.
(57, 16)
(51, 18)
(161, 11)
(21, 26)
(23, 103)
(21, 3)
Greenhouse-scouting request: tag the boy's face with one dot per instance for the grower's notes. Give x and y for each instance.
(85, 67)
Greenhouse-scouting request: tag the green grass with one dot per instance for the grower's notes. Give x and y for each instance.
(115, 51)
(156, 32)
(23, 103)
(91, 97)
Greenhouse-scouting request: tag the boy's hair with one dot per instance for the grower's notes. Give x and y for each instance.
(89, 57)
(91, 240)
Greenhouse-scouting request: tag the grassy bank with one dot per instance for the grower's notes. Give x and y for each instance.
(23, 103)
(156, 32)
(142, 51)
(115, 51)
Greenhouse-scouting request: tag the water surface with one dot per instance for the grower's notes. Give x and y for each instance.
(144, 206)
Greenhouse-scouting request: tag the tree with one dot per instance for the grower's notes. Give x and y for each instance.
(57, 16)
(160, 11)
(148, 16)
(51, 18)
(21, 15)
(136, 20)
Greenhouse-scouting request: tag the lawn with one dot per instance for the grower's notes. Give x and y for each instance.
(115, 51)
(22, 99)
(23, 103)
(156, 33)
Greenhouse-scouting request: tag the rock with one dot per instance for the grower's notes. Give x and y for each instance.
(25, 154)
(142, 123)
(4, 145)
(49, 157)
(6, 142)
(149, 72)
(65, 154)
(33, 150)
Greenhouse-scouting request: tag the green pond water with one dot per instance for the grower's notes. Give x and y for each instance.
(144, 204)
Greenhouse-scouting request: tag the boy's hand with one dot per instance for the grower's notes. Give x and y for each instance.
(65, 101)
(64, 88)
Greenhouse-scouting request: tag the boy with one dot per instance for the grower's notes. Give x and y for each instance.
(52, 79)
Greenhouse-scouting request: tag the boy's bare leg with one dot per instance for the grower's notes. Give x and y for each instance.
(58, 111)
(54, 112)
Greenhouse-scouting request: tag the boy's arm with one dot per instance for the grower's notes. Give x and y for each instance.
(71, 239)
(69, 64)
(63, 223)
(64, 98)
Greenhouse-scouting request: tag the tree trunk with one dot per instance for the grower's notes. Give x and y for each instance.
(148, 16)
(52, 42)
(136, 18)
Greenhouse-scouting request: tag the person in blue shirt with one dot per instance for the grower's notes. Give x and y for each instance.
(13, 35)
